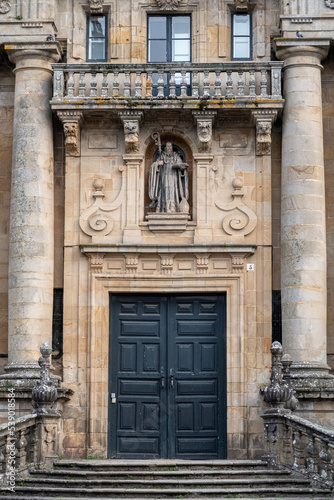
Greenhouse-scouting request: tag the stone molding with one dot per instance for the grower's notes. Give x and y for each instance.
(5, 6)
(71, 121)
(204, 121)
(96, 220)
(241, 220)
(131, 121)
(169, 261)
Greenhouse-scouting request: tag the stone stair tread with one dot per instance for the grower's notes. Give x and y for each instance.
(18, 497)
(166, 481)
(158, 463)
(162, 473)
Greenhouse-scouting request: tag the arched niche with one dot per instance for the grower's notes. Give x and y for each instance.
(183, 148)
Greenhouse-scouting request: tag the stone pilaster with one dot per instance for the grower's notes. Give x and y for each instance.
(303, 233)
(203, 192)
(31, 209)
(133, 162)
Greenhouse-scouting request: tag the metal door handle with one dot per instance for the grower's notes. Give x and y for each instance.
(162, 381)
(172, 381)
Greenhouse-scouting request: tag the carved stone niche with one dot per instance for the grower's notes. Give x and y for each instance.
(168, 178)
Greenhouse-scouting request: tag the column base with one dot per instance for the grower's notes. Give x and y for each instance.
(312, 380)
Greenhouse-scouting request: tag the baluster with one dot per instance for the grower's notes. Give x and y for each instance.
(82, 84)
(311, 455)
(138, 84)
(93, 84)
(115, 84)
(241, 83)
(149, 84)
(104, 87)
(183, 83)
(70, 85)
(263, 82)
(297, 446)
(195, 84)
(161, 84)
(127, 84)
(287, 445)
(58, 85)
(276, 85)
(326, 471)
(218, 85)
(252, 82)
(172, 85)
(229, 83)
(32, 445)
(206, 84)
(21, 453)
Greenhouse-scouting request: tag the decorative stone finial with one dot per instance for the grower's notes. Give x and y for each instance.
(44, 393)
(277, 393)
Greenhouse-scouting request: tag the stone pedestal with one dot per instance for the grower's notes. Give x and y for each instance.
(31, 210)
(303, 237)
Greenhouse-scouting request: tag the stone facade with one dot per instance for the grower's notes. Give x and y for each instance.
(76, 215)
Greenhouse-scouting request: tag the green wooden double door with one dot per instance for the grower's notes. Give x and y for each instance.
(167, 376)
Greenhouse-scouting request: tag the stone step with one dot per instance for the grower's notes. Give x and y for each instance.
(147, 497)
(150, 474)
(288, 492)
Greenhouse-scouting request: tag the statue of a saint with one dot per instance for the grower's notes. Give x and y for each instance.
(168, 183)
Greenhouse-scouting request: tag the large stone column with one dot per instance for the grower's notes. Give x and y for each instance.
(31, 209)
(303, 232)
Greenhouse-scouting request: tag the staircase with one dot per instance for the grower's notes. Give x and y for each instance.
(158, 479)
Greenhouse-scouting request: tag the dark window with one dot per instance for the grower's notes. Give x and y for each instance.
(97, 37)
(241, 37)
(169, 41)
(276, 316)
(57, 323)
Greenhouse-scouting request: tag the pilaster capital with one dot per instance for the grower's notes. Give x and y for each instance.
(204, 121)
(263, 120)
(131, 120)
(302, 51)
(71, 121)
(33, 55)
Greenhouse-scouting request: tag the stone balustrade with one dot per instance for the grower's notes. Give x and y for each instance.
(107, 83)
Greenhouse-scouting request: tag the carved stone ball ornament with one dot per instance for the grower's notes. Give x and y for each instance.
(168, 4)
(4, 6)
(329, 3)
(44, 393)
(96, 6)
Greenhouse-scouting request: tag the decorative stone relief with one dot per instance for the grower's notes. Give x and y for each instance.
(131, 264)
(96, 6)
(168, 4)
(263, 137)
(96, 220)
(241, 5)
(167, 261)
(238, 264)
(96, 263)
(71, 121)
(329, 3)
(202, 262)
(44, 393)
(241, 220)
(131, 120)
(204, 121)
(4, 6)
(50, 435)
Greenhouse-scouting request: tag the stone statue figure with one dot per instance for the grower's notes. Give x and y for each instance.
(168, 182)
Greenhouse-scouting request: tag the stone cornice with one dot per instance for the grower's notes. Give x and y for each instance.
(218, 248)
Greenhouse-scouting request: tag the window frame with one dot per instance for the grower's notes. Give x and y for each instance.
(249, 37)
(88, 38)
(169, 38)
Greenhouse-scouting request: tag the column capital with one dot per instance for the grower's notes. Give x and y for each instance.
(33, 55)
(302, 51)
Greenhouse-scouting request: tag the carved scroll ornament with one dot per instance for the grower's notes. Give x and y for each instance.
(96, 6)
(240, 219)
(329, 3)
(4, 6)
(96, 220)
(168, 4)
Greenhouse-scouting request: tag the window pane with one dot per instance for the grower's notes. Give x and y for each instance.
(181, 27)
(181, 50)
(96, 26)
(157, 51)
(96, 49)
(241, 48)
(157, 27)
(241, 24)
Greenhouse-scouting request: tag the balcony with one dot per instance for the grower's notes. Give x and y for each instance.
(231, 85)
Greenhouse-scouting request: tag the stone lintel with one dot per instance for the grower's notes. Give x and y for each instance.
(245, 250)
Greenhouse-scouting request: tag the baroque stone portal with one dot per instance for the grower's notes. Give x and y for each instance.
(168, 182)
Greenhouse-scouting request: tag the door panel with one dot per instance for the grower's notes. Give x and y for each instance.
(167, 370)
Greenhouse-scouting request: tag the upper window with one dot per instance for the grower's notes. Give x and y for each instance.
(97, 37)
(169, 39)
(241, 36)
